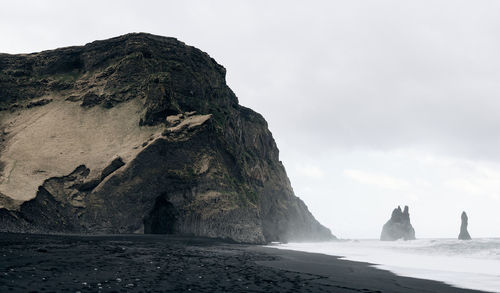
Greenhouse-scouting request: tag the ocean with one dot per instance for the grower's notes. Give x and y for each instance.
(473, 264)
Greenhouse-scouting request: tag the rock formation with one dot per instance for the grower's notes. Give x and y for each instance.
(139, 134)
(464, 234)
(398, 226)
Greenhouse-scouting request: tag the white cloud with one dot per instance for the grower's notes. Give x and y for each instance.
(377, 179)
(476, 180)
(311, 171)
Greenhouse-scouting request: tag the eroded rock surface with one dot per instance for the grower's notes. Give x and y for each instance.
(464, 234)
(398, 226)
(139, 133)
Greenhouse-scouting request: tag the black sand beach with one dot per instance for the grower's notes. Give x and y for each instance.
(159, 263)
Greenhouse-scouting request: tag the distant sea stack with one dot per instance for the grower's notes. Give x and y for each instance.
(464, 234)
(398, 226)
(139, 134)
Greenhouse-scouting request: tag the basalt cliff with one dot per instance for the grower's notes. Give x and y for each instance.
(139, 134)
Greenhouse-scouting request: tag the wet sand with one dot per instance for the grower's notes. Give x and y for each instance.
(160, 263)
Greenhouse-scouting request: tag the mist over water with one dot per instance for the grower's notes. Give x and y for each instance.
(471, 264)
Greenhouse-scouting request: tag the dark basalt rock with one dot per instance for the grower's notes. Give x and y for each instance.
(464, 234)
(398, 226)
(215, 172)
(38, 103)
(115, 165)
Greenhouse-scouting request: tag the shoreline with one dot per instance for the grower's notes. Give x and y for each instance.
(462, 264)
(355, 276)
(158, 263)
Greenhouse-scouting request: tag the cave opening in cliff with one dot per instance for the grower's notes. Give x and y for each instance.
(162, 218)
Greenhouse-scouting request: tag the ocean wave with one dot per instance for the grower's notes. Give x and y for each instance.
(473, 264)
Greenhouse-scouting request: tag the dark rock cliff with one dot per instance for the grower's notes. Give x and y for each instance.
(464, 234)
(398, 226)
(185, 159)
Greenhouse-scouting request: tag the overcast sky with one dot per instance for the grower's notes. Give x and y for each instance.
(373, 104)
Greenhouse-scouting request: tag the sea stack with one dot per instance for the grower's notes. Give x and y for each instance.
(139, 134)
(464, 234)
(398, 226)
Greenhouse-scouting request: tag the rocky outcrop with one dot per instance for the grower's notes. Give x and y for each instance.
(464, 234)
(139, 134)
(398, 226)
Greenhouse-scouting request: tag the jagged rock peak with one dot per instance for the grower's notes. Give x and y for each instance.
(464, 234)
(398, 226)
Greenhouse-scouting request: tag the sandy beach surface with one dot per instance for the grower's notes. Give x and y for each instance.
(161, 263)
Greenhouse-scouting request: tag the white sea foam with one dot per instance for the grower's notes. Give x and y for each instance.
(471, 264)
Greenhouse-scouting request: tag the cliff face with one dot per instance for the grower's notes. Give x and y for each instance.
(398, 226)
(139, 133)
